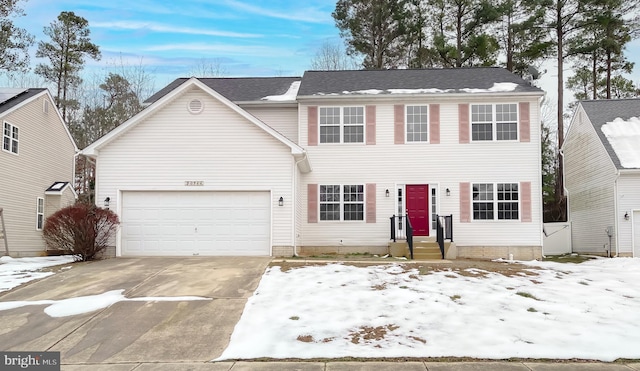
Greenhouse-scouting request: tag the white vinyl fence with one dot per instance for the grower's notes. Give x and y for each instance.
(557, 238)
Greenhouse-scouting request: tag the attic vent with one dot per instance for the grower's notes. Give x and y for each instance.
(195, 106)
(45, 106)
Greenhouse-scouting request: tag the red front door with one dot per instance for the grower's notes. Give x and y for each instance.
(418, 208)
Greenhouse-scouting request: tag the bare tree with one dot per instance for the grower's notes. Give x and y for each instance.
(331, 56)
(209, 68)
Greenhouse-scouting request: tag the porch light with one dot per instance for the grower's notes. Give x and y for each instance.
(448, 192)
(106, 202)
(626, 215)
(281, 201)
(386, 193)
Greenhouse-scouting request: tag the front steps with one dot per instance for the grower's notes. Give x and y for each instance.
(424, 248)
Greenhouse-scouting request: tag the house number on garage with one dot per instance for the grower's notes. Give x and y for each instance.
(193, 183)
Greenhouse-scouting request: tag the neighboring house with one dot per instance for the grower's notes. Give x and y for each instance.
(274, 166)
(36, 167)
(602, 177)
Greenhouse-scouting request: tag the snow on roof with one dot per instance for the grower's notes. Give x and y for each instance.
(497, 87)
(290, 95)
(624, 137)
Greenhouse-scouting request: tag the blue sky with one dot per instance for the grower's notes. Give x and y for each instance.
(247, 37)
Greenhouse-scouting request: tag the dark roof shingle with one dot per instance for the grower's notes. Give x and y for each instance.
(446, 80)
(19, 98)
(237, 89)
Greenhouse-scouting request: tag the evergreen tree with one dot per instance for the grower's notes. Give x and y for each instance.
(522, 36)
(375, 29)
(461, 34)
(66, 52)
(14, 41)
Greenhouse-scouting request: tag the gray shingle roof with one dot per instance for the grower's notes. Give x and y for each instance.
(237, 89)
(19, 98)
(606, 110)
(447, 80)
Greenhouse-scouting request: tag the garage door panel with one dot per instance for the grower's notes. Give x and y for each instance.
(196, 223)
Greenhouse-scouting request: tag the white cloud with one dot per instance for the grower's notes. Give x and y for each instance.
(310, 15)
(252, 50)
(155, 27)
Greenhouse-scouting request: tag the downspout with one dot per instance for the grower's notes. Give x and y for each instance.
(615, 211)
(294, 204)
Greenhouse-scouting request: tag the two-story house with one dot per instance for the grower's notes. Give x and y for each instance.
(281, 166)
(36, 167)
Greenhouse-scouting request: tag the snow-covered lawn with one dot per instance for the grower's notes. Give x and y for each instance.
(17, 271)
(547, 310)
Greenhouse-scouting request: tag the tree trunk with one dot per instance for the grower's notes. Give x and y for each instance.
(594, 75)
(560, 35)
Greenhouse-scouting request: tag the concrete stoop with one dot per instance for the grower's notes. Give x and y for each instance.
(424, 248)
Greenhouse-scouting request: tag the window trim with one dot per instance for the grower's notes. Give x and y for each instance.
(495, 202)
(342, 202)
(494, 123)
(39, 213)
(341, 125)
(406, 124)
(13, 143)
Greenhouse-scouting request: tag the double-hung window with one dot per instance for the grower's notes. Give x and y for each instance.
(417, 123)
(342, 202)
(40, 213)
(341, 124)
(495, 201)
(491, 122)
(10, 138)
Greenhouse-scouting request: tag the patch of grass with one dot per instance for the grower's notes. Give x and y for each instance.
(583, 283)
(294, 318)
(568, 258)
(532, 310)
(527, 295)
(455, 297)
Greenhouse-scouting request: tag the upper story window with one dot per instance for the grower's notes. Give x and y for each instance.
(417, 119)
(494, 122)
(341, 124)
(10, 138)
(342, 202)
(489, 198)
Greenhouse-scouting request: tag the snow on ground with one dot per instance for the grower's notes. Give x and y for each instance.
(588, 311)
(624, 137)
(90, 303)
(17, 271)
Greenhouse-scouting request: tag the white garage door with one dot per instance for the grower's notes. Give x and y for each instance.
(195, 223)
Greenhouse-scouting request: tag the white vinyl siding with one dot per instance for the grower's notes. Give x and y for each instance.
(388, 165)
(282, 119)
(46, 155)
(590, 181)
(218, 147)
(628, 202)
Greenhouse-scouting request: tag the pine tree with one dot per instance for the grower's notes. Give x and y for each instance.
(14, 41)
(375, 29)
(69, 45)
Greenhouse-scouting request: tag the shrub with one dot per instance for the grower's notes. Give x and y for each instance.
(82, 230)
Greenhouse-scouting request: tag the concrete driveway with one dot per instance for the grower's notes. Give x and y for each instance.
(136, 331)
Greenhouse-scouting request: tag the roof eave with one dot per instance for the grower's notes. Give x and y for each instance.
(442, 96)
(269, 103)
